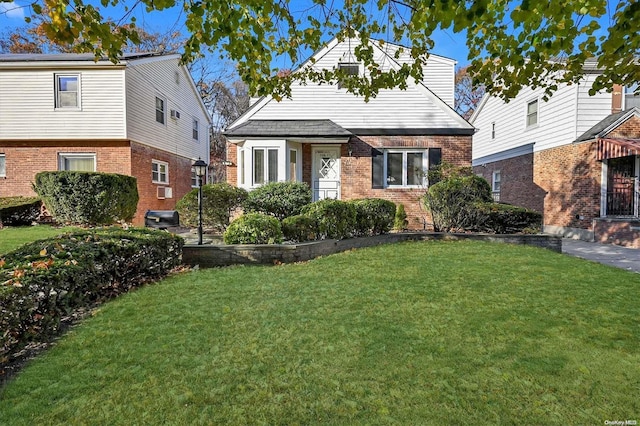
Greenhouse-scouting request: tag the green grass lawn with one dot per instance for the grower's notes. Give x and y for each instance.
(13, 237)
(411, 333)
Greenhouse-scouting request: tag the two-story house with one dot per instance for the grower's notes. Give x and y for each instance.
(346, 148)
(573, 157)
(141, 117)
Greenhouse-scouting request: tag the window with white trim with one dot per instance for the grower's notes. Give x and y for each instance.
(265, 165)
(349, 69)
(3, 165)
(241, 164)
(161, 111)
(159, 171)
(67, 89)
(405, 168)
(77, 161)
(194, 178)
(195, 133)
(493, 130)
(293, 165)
(496, 179)
(532, 113)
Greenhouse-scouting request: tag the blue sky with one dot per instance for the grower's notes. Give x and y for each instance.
(446, 42)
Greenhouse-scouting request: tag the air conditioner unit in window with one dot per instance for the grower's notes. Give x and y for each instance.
(175, 114)
(164, 192)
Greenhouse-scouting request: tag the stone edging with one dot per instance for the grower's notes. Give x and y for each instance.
(210, 256)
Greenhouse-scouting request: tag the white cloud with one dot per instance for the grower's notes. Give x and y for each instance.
(12, 10)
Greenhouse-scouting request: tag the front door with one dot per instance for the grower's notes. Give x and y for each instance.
(326, 172)
(621, 187)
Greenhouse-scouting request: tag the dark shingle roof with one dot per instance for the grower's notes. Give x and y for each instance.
(288, 128)
(596, 131)
(67, 57)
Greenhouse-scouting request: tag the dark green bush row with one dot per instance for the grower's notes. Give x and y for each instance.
(16, 211)
(254, 228)
(87, 198)
(333, 218)
(299, 228)
(279, 199)
(374, 216)
(218, 202)
(45, 281)
(504, 218)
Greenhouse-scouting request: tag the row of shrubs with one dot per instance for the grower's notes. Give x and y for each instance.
(45, 281)
(323, 219)
(18, 211)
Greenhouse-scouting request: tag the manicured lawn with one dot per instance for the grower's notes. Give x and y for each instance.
(13, 237)
(412, 333)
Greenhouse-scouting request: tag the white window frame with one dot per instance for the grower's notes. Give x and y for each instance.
(3, 165)
(195, 130)
(194, 178)
(62, 156)
(404, 152)
(348, 66)
(157, 171)
(242, 164)
(496, 184)
(58, 90)
(296, 171)
(493, 130)
(529, 114)
(164, 109)
(265, 150)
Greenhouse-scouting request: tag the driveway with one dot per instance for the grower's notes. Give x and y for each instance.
(608, 254)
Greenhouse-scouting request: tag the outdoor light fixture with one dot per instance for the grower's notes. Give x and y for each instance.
(200, 167)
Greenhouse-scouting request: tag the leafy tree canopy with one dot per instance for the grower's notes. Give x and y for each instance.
(512, 43)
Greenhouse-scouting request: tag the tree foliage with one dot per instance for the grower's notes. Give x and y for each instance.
(511, 43)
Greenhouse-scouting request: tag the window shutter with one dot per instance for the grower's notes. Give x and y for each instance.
(377, 169)
(435, 157)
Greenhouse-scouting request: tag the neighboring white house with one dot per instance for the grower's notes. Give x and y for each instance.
(346, 148)
(561, 157)
(141, 117)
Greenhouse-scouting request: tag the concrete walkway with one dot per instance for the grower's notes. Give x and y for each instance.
(608, 254)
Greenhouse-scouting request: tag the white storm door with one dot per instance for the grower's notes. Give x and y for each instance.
(326, 172)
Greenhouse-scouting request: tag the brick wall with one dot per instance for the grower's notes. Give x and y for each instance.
(629, 129)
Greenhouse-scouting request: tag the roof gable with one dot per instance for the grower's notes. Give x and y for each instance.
(608, 124)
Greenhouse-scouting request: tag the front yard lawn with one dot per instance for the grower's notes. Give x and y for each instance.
(412, 333)
(13, 237)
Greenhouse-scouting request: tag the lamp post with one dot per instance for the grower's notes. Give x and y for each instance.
(200, 168)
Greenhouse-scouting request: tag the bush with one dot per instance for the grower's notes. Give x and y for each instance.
(504, 218)
(254, 228)
(299, 228)
(450, 200)
(47, 280)
(400, 220)
(219, 200)
(334, 218)
(279, 199)
(16, 211)
(87, 198)
(374, 216)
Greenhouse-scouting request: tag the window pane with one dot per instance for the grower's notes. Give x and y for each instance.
(532, 113)
(159, 110)
(414, 168)
(258, 166)
(67, 91)
(293, 165)
(241, 166)
(273, 165)
(195, 129)
(79, 164)
(3, 166)
(394, 168)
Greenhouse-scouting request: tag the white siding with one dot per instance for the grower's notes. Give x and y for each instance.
(560, 119)
(27, 106)
(165, 79)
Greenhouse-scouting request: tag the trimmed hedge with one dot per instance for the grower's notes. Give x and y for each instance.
(400, 222)
(254, 228)
(334, 218)
(47, 280)
(279, 199)
(17, 211)
(374, 216)
(87, 198)
(219, 200)
(502, 218)
(299, 228)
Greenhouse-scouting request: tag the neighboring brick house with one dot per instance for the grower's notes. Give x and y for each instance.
(141, 117)
(346, 148)
(574, 158)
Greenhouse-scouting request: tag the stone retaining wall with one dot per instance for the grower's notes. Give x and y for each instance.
(210, 256)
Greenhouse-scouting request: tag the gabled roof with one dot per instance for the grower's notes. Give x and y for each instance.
(608, 124)
(288, 128)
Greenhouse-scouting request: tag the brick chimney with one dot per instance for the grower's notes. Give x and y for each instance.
(616, 98)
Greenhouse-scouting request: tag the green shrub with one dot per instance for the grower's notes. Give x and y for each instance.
(279, 199)
(334, 218)
(219, 200)
(299, 228)
(400, 220)
(374, 216)
(87, 198)
(501, 218)
(254, 228)
(45, 281)
(449, 201)
(16, 211)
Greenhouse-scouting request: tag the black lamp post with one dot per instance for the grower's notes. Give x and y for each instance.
(200, 168)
